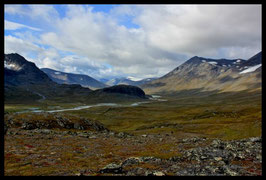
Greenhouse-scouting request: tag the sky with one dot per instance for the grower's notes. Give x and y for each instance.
(137, 41)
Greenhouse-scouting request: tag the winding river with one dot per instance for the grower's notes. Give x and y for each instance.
(37, 110)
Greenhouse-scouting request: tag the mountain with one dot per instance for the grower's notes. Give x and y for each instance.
(19, 71)
(24, 82)
(103, 80)
(255, 60)
(117, 81)
(69, 78)
(124, 89)
(209, 75)
(128, 81)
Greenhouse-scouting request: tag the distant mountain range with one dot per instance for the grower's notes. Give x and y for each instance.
(128, 81)
(210, 75)
(25, 82)
(70, 78)
(87, 81)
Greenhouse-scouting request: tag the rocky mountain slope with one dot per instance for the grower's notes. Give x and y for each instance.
(25, 82)
(19, 71)
(70, 78)
(221, 75)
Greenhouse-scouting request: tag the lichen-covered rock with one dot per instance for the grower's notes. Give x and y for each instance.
(112, 168)
(156, 173)
(28, 126)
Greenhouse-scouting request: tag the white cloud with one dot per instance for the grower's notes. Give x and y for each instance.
(14, 26)
(50, 58)
(167, 36)
(99, 37)
(16, 45)
(203, 29)
(33, 11)
(15, 9)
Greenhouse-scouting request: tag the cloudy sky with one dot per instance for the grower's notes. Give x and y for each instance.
(140, 41)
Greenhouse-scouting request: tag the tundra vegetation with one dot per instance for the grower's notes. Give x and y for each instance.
(163, 132)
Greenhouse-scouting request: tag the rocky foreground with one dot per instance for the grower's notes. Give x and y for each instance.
(36, 149)
(217, 159)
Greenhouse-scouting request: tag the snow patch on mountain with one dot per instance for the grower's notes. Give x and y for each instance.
(133, 78)
(212, 62)
(250, 69)
(11, 66)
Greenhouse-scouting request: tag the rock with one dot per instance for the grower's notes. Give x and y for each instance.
(259, 157)
(78, 126)
(144, 135)
(121, 135)
(175, 159)
(155, 173)
(146, 159)
(46, 131)
(28, 126)
(138, 171)
(92, 137)
(112, 168)
(158, 173)
(203, 157)
(216, 143)
(111, 133)
(229, 147)
(78, 174)
(218, 158)
(255, 139)
(229, 172)
(132, 160)
(240, 156)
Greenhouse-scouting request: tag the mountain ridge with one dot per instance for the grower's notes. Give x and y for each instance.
(72, 78)
(25, 82)
(209, 74)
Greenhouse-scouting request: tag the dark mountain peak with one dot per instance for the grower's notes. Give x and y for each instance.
(15, 58)
(15, 55)
(125, 89)
(19, 71)
(194, 59)
(254, 60)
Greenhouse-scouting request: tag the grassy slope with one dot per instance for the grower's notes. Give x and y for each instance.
(193, 113)
(225, 115)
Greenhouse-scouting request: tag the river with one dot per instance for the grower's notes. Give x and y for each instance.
(37, 110)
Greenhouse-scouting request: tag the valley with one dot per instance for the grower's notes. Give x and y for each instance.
(169, 128)
(160, 131)
(132, 89)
